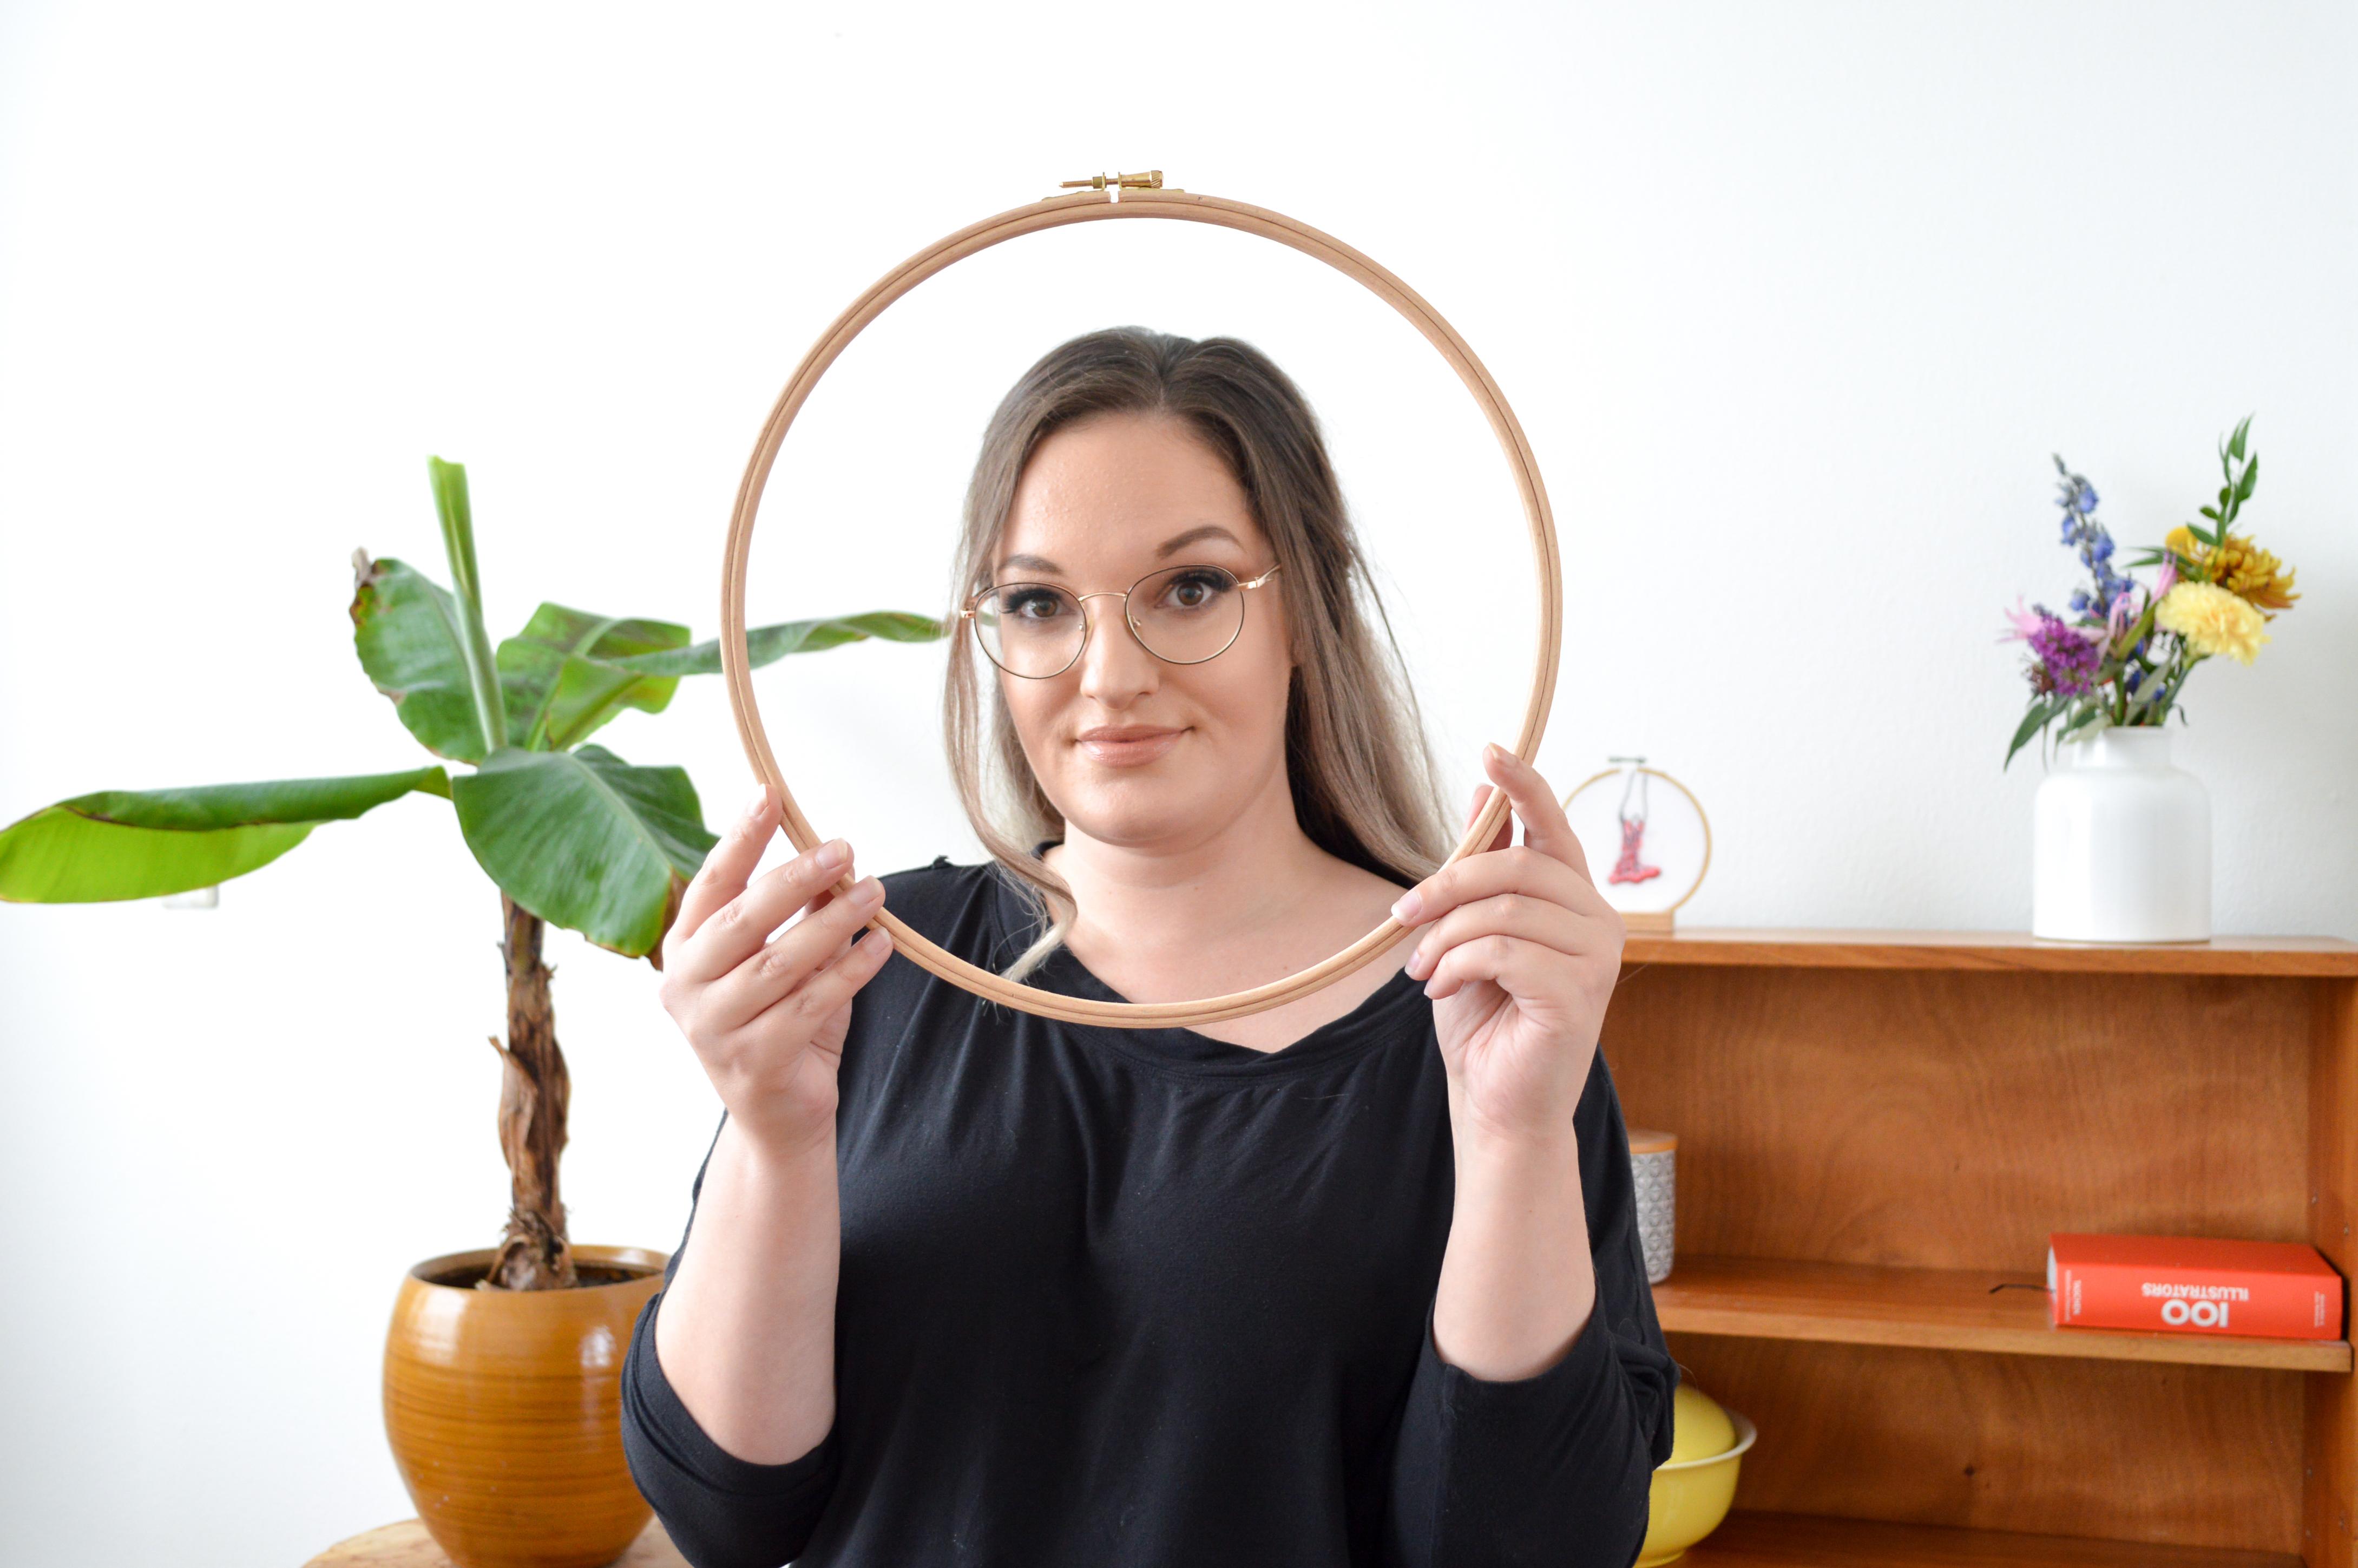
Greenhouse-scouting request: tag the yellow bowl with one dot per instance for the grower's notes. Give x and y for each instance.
(1699, 1426)
(1690, 1496)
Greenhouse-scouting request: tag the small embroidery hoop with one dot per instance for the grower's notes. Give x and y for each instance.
(1134, 196)
(1655, 922)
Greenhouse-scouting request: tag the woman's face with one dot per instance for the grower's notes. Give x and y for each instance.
(1129, 748)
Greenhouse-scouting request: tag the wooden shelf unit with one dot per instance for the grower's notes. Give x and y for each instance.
(1876, 1127)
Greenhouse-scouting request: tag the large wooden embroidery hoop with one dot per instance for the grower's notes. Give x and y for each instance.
(1105, 198)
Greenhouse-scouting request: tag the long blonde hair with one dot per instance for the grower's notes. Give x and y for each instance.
(1357, 760)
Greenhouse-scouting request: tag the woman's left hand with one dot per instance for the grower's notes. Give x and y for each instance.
(1520, 960)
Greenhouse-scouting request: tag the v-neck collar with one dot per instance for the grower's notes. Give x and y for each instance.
(1383, 1013)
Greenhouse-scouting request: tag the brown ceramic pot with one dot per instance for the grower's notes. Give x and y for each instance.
(504, 1409)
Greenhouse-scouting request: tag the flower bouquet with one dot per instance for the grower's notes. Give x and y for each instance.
(2122, 655)
(2121, 840)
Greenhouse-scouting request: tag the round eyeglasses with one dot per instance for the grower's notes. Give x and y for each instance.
(1182, 615)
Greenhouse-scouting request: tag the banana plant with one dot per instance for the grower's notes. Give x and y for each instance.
(570, 833)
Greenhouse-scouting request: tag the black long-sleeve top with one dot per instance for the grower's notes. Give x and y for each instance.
(1145, 1298)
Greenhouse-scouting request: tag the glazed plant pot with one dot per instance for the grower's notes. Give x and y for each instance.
(2122, 844)
(504, 1409)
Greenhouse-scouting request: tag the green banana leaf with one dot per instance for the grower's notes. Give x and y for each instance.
(147, 843)
(561, 680)
(411, 636)
(585, 840)
(767, 645)
(458, 519)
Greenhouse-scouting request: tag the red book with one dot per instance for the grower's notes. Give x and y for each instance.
(2183, 1284)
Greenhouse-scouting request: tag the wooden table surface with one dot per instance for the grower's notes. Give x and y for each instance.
(407, 1545)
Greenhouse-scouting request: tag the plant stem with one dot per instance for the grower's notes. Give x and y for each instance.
(533, 1089)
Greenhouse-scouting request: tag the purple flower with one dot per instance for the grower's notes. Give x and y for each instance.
(2068, 661)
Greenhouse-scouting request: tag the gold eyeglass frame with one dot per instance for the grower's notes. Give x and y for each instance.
(1089, 628)
(1112, 198)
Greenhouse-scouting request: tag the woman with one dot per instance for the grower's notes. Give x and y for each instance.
(1355, 1280)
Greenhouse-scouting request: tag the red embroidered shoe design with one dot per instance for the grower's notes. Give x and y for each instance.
(1629, 868)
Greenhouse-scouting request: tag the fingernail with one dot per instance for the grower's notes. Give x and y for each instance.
(755, 807)
(1409, 906)
(832, 855)
(869, 893)
(1495, 752)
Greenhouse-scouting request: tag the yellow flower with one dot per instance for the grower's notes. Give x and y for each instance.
(2238, 565)
(2212, 620)
(2243, 567)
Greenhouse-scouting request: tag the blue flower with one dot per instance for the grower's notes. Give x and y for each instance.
(2091, 541)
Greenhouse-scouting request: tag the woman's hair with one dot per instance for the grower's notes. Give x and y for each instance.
(1356, 758)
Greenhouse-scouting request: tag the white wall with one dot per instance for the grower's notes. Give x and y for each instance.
(1793, 301)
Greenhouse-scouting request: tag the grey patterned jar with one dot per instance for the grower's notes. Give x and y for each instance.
(1653, 1163)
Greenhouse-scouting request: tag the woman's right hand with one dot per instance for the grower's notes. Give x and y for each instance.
(767, 1014)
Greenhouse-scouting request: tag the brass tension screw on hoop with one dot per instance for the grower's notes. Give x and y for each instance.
(1098, 200)
(1114, 184)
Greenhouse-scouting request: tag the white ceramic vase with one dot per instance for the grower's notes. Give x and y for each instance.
(2122, 844)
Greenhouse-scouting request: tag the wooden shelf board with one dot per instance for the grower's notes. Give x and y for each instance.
(1795, 1541)
(1799, 947)
(1936, 1309)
